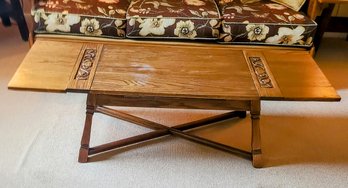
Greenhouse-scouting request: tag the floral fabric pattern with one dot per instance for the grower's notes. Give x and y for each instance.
(265, 23)
(185, 19)
(104, 18)
(252, 22)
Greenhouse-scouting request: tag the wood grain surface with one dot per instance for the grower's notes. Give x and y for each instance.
(333, 1)
(299, 77)
(85, 67)
(264, 80)
(180, 71)
(189, 70)
(48, 66)
(159, 43)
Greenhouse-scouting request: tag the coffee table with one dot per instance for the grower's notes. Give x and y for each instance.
(171, 75)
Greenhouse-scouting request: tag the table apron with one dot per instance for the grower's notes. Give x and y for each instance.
(173, 102)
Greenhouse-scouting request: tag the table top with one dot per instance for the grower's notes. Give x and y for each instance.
(175, 71)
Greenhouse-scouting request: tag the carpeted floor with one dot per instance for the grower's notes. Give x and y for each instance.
(304, 143)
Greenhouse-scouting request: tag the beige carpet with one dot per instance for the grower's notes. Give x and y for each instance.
(304, 143)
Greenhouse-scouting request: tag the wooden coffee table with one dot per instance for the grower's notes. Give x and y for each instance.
(171, 75)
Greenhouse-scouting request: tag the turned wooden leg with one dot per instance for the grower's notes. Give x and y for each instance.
(84, 149)
(256, 135)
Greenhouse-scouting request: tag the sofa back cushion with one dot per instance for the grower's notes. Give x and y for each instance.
(173, 19)
(102, 18)
(263, 22)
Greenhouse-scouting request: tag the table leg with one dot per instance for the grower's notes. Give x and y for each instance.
(256, 135)
(90, 109)
(95, 104)
(162, 130)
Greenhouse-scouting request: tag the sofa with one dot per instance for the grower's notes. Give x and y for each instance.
(236, 22)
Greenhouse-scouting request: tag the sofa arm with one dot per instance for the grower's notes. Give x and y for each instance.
(312, 9)
(32, 3)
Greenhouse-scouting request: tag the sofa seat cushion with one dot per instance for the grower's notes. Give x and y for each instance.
(265, 23)
(184, 19)
(103, 18)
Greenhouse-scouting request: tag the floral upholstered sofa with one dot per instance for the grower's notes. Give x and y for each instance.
(250, 22)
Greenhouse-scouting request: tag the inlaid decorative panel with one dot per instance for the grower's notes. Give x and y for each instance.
(85, 67)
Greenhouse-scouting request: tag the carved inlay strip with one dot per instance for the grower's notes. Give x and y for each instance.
(261, 72)
(86, 64)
